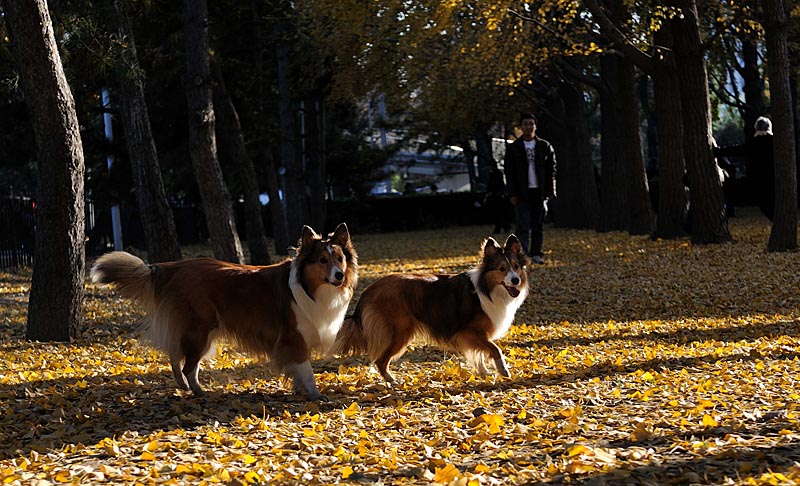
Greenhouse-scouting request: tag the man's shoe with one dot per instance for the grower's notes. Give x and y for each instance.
(537, 259)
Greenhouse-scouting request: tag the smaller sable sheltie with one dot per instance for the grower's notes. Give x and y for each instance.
(464, 313)
(281, 311)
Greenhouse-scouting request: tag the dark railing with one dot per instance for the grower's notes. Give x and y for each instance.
(16, 231)
(401, 213)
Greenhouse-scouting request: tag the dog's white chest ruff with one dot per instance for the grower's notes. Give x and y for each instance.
(319, 320)
(501, 308)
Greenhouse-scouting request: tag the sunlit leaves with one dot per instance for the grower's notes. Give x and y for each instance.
(633, 361)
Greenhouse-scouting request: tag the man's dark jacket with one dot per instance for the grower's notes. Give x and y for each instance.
(516, 168)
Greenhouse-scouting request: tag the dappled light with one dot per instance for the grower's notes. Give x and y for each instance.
(632, 361)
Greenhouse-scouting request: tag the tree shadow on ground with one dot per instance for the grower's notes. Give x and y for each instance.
(750, 331)
(48, 414)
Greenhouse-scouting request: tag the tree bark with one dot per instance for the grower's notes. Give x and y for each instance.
(277, 211)
(54, 306)
(671, 219)
(783, 236)
(154, 209)
(202, 140)
(580, 208)
(315, 150)
(640, 212)
(708, 221)
(753, 87)
(231, 143)
(613, 183)
(662, 68)
(295, 187)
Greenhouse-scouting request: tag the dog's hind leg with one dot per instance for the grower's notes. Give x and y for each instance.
(195, 346)
(177, 363)
(394, 351)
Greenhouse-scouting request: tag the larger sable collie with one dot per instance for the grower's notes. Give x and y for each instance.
(464, 313)
(281, 311)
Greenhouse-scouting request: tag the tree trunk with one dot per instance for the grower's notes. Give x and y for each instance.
(231, 143)
(294, 189)
(202, 140)
(753, 87)
(708, 221)
(578, 203)
(662, 68)
(483, 149)
(469, 159)
(54, 307)
(671, 219)
(783, 236)
(315, 150)
(640, 212)
(276, 208)
(613, 183)
(154, 210)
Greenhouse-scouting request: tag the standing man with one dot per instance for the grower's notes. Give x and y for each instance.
(531, 180)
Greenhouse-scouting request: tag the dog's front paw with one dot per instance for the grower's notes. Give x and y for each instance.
(317, 397)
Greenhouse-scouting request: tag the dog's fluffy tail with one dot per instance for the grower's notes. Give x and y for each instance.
(133, 278)
(350, 339)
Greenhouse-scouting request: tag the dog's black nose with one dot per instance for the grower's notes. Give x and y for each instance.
(339, 275)
(515, 281)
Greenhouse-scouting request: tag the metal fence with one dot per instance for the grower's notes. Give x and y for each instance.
(16, 231)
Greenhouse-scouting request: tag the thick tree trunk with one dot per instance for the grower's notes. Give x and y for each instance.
(54, 307)
(154, 210)
(276, 207)
(202, 140)
(671, 220)
(640, 212)
(231, 143)
(578, 202)
(783, 236)
(708, 221)
(613, 183)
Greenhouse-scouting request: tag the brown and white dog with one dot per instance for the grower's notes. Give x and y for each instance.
(464, 313)
(281, 311)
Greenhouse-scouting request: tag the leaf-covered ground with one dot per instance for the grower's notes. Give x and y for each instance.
(633, 361)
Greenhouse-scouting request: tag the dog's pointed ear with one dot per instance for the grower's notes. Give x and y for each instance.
(489, 247)
(341, 236)
(512, 245)
(513, 248)
(308, 236)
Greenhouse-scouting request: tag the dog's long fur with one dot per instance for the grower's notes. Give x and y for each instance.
(464, 313)
(281, 311)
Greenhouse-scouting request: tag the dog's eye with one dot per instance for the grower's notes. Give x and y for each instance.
(340, 259)
(502, 268)
(323, 260)
(516, 266)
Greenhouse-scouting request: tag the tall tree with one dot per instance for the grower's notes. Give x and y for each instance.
(263, 149)
(662, 67)
(294, 186)
(54, 309)
(231, 143)
(783, 236)
(708, 221)
(154, 209)
(576, 171)
(202, 139)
